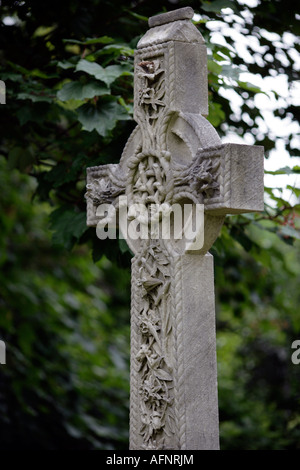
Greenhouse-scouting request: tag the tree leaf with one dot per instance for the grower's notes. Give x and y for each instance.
(240, 236)
(107, 75)
(66, 64)
(137, 16)
(68, 226)
(88, 41)
(217, 5)
(35, 97)
(103, 116)
(216, 114)
(20, 158)
(114, 51)
(288, 231)
(295, 190)
(213, 67)
(250, 87)
(81, 91)
(285, 171)
(230, 71)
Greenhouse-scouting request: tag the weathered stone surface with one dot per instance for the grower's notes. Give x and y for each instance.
(185, 13)
(182, 30)
(239, 179)
(192, 356)
(199, 350)
(173, 157)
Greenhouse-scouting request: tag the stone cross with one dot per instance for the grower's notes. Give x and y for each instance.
(174, 156)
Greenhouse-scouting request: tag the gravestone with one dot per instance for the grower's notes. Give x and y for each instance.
(174, 157)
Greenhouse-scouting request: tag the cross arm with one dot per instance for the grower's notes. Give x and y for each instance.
(104, 185)
(227, 179)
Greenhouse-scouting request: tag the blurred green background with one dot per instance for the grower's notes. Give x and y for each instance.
(64, 294)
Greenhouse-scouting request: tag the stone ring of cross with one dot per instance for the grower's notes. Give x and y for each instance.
(175, 155)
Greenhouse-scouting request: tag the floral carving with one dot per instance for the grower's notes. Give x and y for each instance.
(152, 90)
(150, 182)
(102, 191)
(155, 327)
(201, 177)
(105, 185)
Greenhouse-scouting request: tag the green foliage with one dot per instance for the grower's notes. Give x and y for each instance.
(68, 226)
(81, 91)
(256, 323)
(107, 75)
(102, 116)
(66, 328)
(64, 307)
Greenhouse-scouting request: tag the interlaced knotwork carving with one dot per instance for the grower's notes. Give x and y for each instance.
(150, 178)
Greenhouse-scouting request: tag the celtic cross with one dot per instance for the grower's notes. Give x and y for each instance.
(174, 156)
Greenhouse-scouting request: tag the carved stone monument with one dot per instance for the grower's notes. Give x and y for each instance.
(174, 156)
